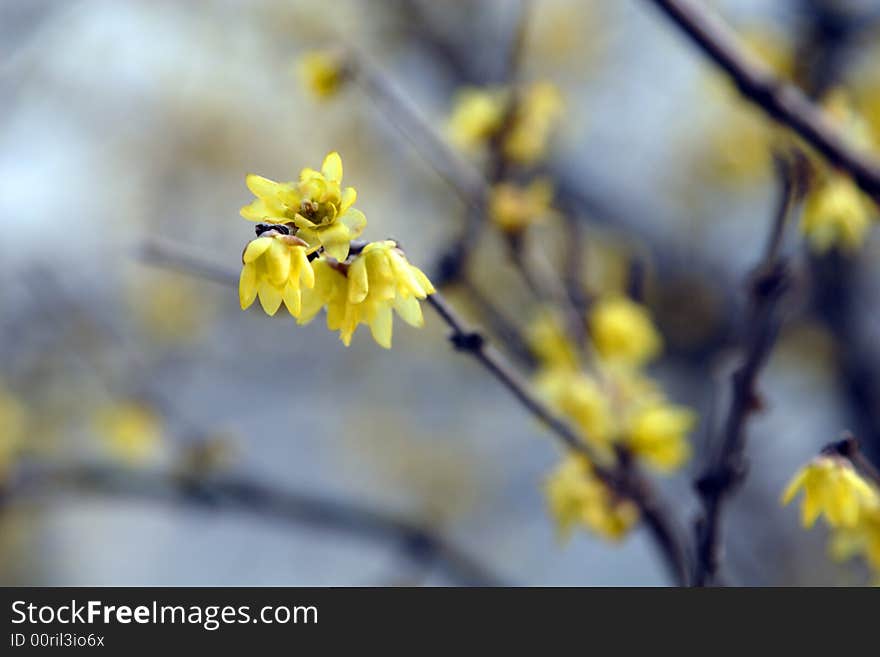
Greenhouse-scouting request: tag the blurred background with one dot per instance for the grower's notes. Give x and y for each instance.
(127, 125)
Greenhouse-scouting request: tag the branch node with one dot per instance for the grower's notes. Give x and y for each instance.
(467, 341)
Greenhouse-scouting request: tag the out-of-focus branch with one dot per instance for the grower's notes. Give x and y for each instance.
(463, 177)
(781, 101)
(181, 259)
(726, 467)
(239, 494)
(626, 481)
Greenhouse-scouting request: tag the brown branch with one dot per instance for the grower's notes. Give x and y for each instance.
(235, 493)
(624, 479)
(726, 468)
(781, 101)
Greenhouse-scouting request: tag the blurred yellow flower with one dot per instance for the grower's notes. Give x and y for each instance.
(13, 427)
(836, 214)
(366, 290)
(657, 434)
(550, 343)
(131, 431)
(479, 115)
(513, 208)
(538, 111)
(165, 304)
(623, 332)
(739, 147)
(317, 205)
(832, 487)
(580, 398)
(577, 497)
(322, 72)
(275, 268)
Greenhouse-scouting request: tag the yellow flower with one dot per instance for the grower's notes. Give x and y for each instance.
(658, 434)
(832, 487)
(623, 332)
(513, 208)
(131, 431)
(13, 426)
(317, 205)
(366, 290)
(479, 115)
(275, 268)
(549, 342)
(582, 401)
(476, 116)
(537, 112)
(577, 497)
(322, 72)
(836, 214)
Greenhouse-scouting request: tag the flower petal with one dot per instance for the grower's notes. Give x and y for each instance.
(247, 286)
(278, 262)
(335, 239)
(382, 325)
(270, 297)
(349, 196)
(256, 248)
(332, 167)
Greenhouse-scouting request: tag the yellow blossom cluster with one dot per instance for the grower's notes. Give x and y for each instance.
(303, 257)
(850, 505)
(836, 213)
(612, 404)
(623, 332)
(577, 497)
(513, 208)
(524, 119)
(131, 431)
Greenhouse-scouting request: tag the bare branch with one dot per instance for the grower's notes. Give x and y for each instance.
(726, 468)
(238, 494)
(781, 101)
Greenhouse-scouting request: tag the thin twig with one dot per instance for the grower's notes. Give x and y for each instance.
(236, 493)
(781, 101)
(627, 481)
(726, 467)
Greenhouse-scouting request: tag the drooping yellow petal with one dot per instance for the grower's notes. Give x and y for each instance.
(256, 248)
(794, 486)
(247, 285)
(270, 297)
(358, 283)
(278, 262)
(292, 299)
(410, 311)
(304, 268)
(381, 326)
